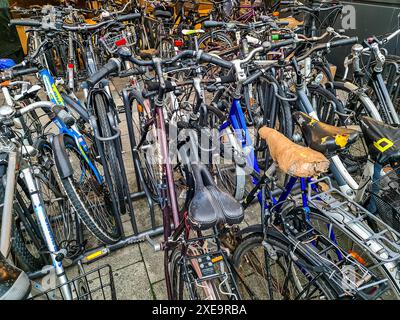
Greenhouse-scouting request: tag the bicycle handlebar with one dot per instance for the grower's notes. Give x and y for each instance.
(74, 27)
(333, 44)
(11, 74)
(129, 17)
(24, 23)
(343, 42)
(113, 65)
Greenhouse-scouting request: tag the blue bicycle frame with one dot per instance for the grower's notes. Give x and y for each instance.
(238, 122)
(55, 97)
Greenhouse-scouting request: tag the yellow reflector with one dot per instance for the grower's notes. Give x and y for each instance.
(216, 259)
(94, 255)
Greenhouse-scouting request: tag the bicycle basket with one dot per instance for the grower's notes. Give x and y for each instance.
(385, 195)
(97, 284)
(112, 41)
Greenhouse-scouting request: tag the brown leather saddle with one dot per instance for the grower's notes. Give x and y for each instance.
(292, 158)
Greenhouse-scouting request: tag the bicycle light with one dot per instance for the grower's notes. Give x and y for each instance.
(178, 43)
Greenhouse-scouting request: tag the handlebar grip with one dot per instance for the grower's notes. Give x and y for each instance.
(280, 44)
(282, 23)
(343, 42)
(113, 65)
(213, 24)
(23, 72)
(25, 23)
(16, 73)
(129, 17)
(215, 60)
(155, 86)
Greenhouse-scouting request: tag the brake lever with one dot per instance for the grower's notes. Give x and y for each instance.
(346, 63)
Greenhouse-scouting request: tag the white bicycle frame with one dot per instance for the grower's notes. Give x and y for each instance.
(15, 155)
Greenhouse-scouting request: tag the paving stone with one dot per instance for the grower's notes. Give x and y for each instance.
(160, 290)
(154, 261)
(131, 283)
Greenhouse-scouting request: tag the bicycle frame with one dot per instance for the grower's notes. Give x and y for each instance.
(17, 164)
(55, 97)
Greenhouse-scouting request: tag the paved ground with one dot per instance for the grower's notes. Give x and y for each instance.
(137, 270)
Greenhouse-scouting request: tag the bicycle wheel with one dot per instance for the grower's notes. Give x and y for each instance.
(188, 283)
(103, 110)
(215, 42)
(148, 152)
(328, 107)
(354, 101)
(61, 214)
(90, 199)
(391, 77)
(261, 276)
(25, 251)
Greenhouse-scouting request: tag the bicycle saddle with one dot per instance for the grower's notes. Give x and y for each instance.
(163, 14)
(323, 137)
(14, 283)
(210, 206)
(382, 139)
(189, 32)
(291, 158)
(148, 53)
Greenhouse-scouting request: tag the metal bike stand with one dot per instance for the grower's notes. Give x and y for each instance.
(142, 193)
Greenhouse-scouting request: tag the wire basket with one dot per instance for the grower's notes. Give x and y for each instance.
(112, 41)
(385, 198)
(97, 284)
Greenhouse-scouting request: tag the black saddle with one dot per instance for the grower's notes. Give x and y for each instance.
(163, 14)
(382, 139)
(323, 137)
(210, 206)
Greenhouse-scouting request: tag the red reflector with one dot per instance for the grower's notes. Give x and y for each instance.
(120, 42)
(178, 43)
(70, 65)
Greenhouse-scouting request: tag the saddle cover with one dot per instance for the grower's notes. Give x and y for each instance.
(292, 158)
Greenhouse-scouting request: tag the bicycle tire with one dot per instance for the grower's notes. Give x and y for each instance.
(110, 151)
(80, 200)
(277, 242)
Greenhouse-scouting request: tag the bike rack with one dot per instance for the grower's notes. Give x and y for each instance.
(142, 192)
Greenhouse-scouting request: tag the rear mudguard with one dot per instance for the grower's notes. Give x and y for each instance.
(255, 228)
(61, 157)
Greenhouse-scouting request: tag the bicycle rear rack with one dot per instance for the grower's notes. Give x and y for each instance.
(353, 220)
(349, 276)
(208, 266)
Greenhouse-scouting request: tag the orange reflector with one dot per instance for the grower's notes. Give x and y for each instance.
(356, 256)
(251, 102)
(275, 14)
(5, 83)
(216, 259)
(139, 108)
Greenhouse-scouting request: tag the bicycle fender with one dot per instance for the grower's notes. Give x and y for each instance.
(255, 228)
(61, 158)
